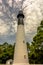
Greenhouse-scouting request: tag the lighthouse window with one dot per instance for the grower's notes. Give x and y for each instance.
(23, 41)
(24, 56)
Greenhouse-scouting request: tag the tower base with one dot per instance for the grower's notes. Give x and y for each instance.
(20, 64)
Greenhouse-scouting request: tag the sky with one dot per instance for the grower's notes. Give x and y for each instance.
(33, 11)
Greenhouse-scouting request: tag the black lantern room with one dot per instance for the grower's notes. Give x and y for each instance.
(20, 17)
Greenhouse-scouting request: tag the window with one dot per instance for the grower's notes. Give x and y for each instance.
(24, 56)
(23, 41)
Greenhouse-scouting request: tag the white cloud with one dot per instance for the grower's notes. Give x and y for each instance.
(3, 28)
(33, 14)
(33, 10)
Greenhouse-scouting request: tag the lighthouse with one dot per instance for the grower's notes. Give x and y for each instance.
(20, 54)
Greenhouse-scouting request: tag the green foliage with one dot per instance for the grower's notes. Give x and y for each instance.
(6, 52)
(36, 48)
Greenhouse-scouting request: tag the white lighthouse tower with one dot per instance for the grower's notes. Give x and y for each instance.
(20, 54)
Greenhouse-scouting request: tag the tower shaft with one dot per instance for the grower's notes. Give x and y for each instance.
(20, 55)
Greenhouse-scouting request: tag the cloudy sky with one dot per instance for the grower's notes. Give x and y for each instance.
(33, 11)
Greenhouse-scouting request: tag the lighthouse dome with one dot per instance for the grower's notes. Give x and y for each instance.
(20, 14)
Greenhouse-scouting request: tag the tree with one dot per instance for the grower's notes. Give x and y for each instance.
(37, 46)
(6, 52)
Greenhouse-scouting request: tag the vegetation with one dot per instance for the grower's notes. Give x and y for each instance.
(35, 50)
(6, 52)
(36, 47)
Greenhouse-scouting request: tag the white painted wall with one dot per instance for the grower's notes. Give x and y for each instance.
(21, 55)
